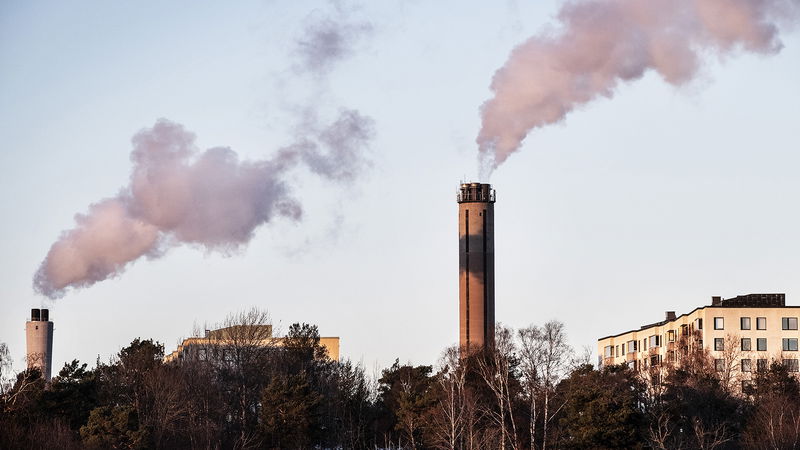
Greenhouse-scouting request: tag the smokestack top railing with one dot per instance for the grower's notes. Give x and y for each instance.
(476, 192)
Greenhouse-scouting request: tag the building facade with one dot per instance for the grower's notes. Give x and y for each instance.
(476, 265)
(741, 335)
(219, 344)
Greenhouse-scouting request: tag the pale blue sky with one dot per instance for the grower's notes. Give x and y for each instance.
(652, 201)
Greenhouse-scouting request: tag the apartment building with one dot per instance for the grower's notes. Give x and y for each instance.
(742, 334)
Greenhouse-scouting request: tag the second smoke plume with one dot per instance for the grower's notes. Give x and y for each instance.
(604, 42)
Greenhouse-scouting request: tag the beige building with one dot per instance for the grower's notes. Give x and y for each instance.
(742, 334)
(216, 344)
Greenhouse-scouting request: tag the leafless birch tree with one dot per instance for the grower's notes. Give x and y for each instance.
(545, 358)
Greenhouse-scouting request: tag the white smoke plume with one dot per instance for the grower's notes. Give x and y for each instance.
(180, 195)
(328, 38)
(604, 42)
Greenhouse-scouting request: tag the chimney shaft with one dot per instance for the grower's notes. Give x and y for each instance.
(670, 315)
(476, 265)
(39, 342)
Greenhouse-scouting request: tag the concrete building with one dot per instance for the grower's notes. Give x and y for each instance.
(215, 344)
(741, 334)
(39, 341)
(476, 265)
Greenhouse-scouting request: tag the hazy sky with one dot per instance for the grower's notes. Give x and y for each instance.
(654, 200)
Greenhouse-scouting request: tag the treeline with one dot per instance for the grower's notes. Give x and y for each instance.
(528, 391)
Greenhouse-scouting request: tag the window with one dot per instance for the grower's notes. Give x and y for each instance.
(761, 344)
(761, 365)
(746, 345)
(631, 346)
(746, 365)
(789, 344)
(789, 323)
(202, 355)
(719, 344)
(791, 365)
(744, 323)
(623, 349)
(654, 360)
(607, 351)
(719, 323)
(671, 335)
(719, 364)
(655, 341)
(761, 323)
(699, 323)
(616, 351)
(684, 330)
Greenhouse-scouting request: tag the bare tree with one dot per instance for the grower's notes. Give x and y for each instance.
(353, 392)
(775, 424)
(408, 421)
(730, 374)
(23, 391)
(711, 436)
(205, 417)
(494, 367)
(240, 351)
(545, 358)
(169, 408)
(6, 368)
(448, 416)
(660, 428)
(692, 357)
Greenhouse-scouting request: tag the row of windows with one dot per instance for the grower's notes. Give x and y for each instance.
(761, 365)
(633, 346)
(787, 323)
(787, 344)
(227, 354)
(746, 345)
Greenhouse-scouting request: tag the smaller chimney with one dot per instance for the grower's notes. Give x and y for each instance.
(670, 315)
(39, 342)
(716, 301)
